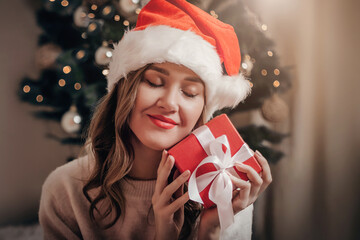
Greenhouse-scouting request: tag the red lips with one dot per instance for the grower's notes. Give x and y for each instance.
(162, 122)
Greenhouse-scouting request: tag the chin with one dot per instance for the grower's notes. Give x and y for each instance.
(160, 145)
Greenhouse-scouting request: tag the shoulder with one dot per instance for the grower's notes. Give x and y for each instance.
(68, 177)
(62, 201)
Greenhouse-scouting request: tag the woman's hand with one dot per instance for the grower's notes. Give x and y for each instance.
(250, 190)
(248, 193)
(169, 199)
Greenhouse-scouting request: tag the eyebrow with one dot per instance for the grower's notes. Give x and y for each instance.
(165, 72)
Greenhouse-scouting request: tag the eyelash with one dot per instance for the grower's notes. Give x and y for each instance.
(157, 86)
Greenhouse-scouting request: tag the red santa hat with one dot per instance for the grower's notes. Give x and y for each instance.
(179, 32)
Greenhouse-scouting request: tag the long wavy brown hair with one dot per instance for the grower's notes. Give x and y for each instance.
(108, 143)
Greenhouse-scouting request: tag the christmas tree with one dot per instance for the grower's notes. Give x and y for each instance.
(76, 46)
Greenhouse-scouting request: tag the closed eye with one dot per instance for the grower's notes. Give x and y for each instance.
(190, 95)
(151, 84)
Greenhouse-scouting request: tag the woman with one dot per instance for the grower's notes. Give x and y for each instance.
(165, 79)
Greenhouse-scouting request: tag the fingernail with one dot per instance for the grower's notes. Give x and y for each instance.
(258, 153)
(239, 166)
(170, 159)
(186, 174)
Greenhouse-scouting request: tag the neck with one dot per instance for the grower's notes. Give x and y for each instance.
(145, 163)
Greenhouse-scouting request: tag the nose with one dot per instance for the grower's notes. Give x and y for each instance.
(169, 100)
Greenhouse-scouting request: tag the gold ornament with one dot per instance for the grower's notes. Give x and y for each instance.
(247, 65)
(71, 120)
(81, 18)
(274, 109)
(103, 55)
(127, 8)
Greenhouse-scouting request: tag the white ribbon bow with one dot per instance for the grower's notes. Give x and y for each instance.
(221, 188)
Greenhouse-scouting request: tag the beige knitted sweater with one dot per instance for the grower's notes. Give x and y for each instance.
(64, 210)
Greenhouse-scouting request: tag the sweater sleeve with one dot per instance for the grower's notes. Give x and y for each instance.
(241, 229)
(55, 214)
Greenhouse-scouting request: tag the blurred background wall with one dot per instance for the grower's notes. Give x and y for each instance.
(26, 155)
(315, 193)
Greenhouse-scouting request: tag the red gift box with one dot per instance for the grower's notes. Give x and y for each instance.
(189, 152)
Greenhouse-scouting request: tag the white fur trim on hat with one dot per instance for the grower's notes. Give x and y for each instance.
(158, 44)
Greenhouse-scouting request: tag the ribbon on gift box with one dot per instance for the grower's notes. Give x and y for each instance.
(221, 188)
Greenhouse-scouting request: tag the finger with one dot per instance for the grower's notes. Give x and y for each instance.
(255, 179)
(241, 201)
(180, 190)
(170, 189)
(164, 156)
(266, 173)
(179, 213)
(164, 172)
(176, 174)
(178, 203)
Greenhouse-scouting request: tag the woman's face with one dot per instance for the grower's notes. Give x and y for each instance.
(169, 102)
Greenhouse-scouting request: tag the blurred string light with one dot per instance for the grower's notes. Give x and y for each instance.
(77, 119)
(247, 58)
(64, 3)
(264, 27)
(67, 69)
(108, 54)
(92, 27)
(213, 13)
(94, 7)
(80, 54)
(276, 83)
(105, 72)
(39, 98)
(263, 72)
(106, 10)
(62, 82)
(77, 86)
(126, 23)
(117, 18)
(26, 88)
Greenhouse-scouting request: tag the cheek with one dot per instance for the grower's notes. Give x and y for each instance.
(193, 111)
(145, 97)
